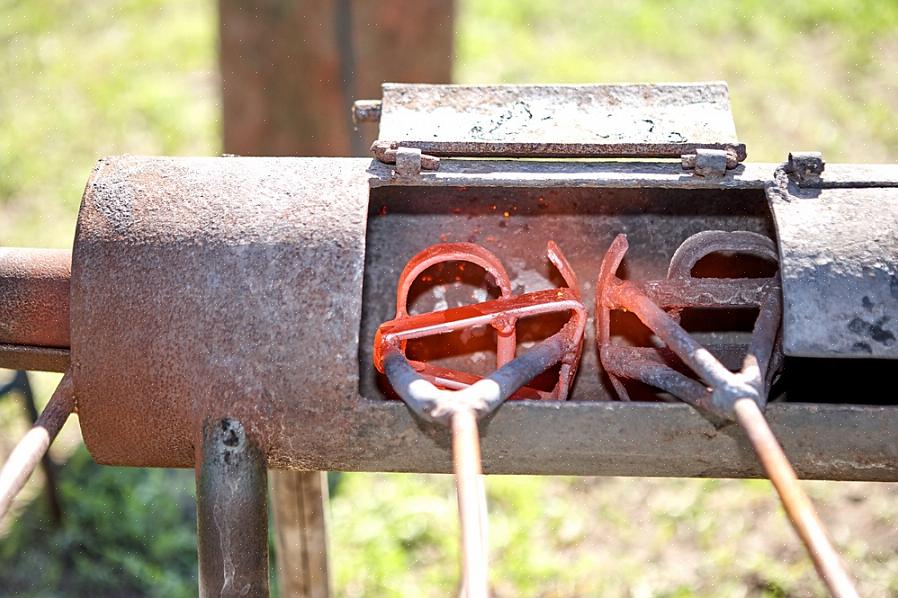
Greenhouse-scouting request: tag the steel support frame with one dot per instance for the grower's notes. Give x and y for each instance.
(232, 511)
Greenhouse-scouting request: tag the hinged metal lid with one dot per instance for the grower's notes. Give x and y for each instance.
(558, 121)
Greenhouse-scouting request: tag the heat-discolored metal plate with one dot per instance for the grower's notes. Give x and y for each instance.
(632, 120)
(839, 267)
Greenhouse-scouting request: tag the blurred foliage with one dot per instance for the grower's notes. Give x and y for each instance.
(89, 79)
(803, 74)
(83, 80)
(395, 535)
(124, 532)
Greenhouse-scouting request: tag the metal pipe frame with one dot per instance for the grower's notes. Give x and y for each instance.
(232, 512)
(22, 384)
(34, 297)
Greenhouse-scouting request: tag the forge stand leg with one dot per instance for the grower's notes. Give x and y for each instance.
(232, 512)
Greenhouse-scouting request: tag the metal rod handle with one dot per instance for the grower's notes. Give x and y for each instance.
(796, 503)
(471, 503)
(26, 455)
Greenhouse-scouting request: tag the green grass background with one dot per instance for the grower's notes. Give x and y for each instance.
(87, 79)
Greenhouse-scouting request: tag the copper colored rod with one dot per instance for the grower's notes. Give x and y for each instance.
(471, 503)
(28, 453)
(798, 507)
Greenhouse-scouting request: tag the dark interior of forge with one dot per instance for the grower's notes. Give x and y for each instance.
(516, 224)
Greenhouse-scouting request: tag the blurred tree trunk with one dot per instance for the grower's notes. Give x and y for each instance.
(290, 72)
(291, 69)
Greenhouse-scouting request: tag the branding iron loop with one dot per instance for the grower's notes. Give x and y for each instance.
(722, 394)
(458, 400)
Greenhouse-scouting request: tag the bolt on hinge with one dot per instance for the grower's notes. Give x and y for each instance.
(710, 162)
(409, 161)
(805, 167)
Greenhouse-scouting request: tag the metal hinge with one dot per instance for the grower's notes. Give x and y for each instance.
(673, 121)
(710, 162)
(805, 167)
(409, 161)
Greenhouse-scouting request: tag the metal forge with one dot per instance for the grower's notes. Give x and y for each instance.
(223, 313)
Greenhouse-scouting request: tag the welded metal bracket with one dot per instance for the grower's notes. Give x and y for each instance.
(366, 111)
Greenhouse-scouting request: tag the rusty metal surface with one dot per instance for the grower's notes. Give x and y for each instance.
(823, 441)
(839, 263)
(366, 111)
(856, 176)
(231, 511)
(805, 168)
(409, 161)
(36, 359)
(709, 163)
(252, 269)
(645, 120)
(218, 286)
(34, 297)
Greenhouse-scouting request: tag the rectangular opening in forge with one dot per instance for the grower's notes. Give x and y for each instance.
(516, 224)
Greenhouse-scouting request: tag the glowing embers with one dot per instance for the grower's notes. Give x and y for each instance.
(502, 314)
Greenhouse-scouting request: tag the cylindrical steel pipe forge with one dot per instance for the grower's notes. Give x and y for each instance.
(213, 317)
(221, 313)
(233, 287)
